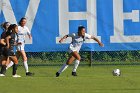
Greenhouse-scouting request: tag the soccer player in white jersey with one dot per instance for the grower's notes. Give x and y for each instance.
(23, 31)
(75, 46)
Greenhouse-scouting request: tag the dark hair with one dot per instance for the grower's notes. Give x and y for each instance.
(80, 28)
(12, 26)
(3, 25)
(23, 18)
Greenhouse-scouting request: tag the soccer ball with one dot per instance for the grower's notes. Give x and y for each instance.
(116, 72)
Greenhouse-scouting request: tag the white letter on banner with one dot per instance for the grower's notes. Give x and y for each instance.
(119, 17)
(65, 16)
(6, 7)
(30, 15)
(8, 13)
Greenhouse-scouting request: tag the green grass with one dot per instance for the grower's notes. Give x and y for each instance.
(96, 79)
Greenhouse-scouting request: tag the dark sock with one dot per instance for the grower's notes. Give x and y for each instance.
(3, 69)
(14, 69)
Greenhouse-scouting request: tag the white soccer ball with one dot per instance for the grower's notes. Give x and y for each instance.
(116, 72)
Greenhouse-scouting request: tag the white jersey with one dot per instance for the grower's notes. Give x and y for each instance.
(77, 41)
(22, 32)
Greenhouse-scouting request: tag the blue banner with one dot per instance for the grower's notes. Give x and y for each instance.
(114, 22)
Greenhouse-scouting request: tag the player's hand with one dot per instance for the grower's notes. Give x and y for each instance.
(101, 44)
(60, 41)
(30, 37)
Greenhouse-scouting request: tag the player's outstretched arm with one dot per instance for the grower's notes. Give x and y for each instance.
(100, 43)
(62, 39)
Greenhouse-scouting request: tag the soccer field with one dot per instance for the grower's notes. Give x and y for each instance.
(96, 79)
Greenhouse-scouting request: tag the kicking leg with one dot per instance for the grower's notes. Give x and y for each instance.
(76, 64)
(65, 66)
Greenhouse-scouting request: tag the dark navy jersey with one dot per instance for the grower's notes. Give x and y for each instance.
(11, 51)
(3, 47)
(3, 36)
(12, 40)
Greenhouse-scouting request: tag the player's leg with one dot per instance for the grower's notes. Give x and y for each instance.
(24, 57)
(74, 55)
(77, 61)
(15, 60)
(65, 66)
(3, 62)
(11, 63)
(3, 66)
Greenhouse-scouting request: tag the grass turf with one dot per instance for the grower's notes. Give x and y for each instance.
(96, 79)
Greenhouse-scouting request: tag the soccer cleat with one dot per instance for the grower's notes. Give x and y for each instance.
(57, 74)
(2, 75)
(29, 74)
(16, 76)
(74, 74)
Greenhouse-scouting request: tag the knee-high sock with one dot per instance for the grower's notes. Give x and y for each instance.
(64, 67)
(3, 69)
(76, 65)
(26, 66)
(10, 64)
(15, 69)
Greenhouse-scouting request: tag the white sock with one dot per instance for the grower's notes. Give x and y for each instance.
(10, 64)
(26, 66)
(76, 65)
(64, 67)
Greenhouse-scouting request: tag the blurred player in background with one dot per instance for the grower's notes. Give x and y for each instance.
(4, 26)
(9, 52)
(22, 32)
(77, 41)
(3, 55)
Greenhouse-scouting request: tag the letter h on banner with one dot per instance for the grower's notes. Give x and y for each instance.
(65, 16)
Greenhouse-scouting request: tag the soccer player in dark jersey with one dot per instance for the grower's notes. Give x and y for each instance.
(11, 41)
(4, 26)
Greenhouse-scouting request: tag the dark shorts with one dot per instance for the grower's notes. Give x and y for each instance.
(10, 52)
(6, 52)
(3, 52)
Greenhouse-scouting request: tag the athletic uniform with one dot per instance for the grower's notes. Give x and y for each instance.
(3, 47)
(11, 51)
(77, 41)
(75, 45)
(22, 32)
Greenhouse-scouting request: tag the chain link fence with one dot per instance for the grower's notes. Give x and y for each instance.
(88, 58)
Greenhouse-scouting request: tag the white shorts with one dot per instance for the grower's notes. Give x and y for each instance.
(20, 47)
(72, 49)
